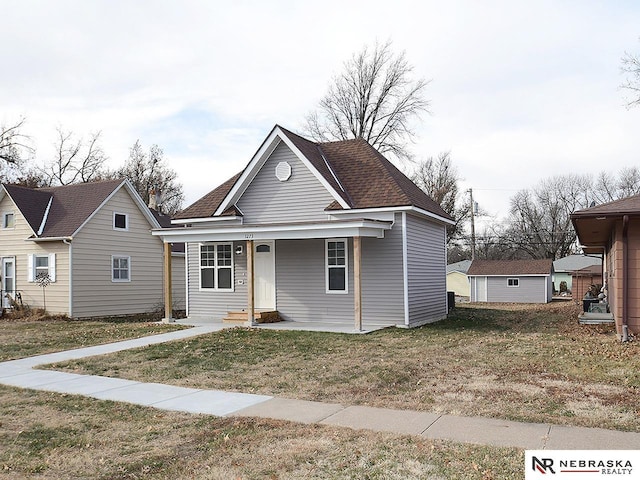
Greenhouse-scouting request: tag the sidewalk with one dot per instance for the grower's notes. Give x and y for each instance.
(487, 431)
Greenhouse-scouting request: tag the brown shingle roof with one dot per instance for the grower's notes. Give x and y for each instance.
(355, 170)
(511, 267)
(72, 205)
(629, 205)
(207, 205)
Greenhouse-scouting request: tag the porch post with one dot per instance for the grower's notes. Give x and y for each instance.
(357, 284)
(168, 310)
(250, 293)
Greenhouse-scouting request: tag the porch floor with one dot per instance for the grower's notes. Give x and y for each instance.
(595, 318)
(330, 327)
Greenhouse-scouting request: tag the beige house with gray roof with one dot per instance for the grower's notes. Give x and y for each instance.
(92, 240)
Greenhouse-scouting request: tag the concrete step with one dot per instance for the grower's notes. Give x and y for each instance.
(240, 317)
(594, 318)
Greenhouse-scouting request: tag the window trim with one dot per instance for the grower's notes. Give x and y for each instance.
(32, 269)
(216, 267)
(345, 266)
(4, 220)
(513, 282)
(126, 222)
(121, 280)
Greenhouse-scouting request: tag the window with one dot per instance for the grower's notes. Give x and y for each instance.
(336, 275)
(216, 266)
(120, 221)
(8, 220)
(513, 282)
(120, 269)
(40, 264)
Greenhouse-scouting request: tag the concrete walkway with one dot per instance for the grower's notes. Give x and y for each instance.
(487, 431)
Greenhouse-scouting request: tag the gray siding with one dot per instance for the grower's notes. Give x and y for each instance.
(178, 288)
(210, 303)
(301, 283)
(530, 290)
(94, 294)
(426, 275)
(301, 198)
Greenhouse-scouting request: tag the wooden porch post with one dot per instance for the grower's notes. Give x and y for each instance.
(168, 308)
(250, 293)
(357, 284)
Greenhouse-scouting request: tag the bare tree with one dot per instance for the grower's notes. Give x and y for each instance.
(76, 161)
(149, 173)
(539, 222)
(14, 147)
(374, 98)
(631, 66)
(609, 186)
(439, 179)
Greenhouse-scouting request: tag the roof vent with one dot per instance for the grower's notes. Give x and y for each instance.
(283, 171)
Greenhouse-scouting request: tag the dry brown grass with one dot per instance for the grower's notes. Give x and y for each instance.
(520, 362)
(52, 436)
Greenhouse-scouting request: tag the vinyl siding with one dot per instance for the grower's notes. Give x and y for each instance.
(458, 283)
(616, 272)
(301, 198)
(530, 290)
(94, 294)
(426, 275)
(13, 244)
(301, 281)
(178, 288)
(210, 303)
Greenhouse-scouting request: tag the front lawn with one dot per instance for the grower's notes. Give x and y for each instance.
(525, 363)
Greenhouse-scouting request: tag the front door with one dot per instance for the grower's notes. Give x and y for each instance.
(8, 281)
(264, 270)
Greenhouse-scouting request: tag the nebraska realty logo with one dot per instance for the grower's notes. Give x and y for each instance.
(576, 464)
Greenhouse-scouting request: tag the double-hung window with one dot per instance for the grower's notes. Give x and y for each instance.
(42, 264)
(513, 282)
(120, 268)
(337, 277)
(216, 266)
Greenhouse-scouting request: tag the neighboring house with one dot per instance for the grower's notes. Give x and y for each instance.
(519, 281)
(613, 230)
(564, 268)
(94, 242)
(584, 278)
(327, 232)
(457, 280)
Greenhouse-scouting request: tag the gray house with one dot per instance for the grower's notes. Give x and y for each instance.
(519, 281)
(329, 232)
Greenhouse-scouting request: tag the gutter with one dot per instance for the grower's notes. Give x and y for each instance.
(625, 278)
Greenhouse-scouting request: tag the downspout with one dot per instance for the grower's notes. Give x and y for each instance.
(625, 278)
(67, 242)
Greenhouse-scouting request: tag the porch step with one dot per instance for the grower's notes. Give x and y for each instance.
(594, 318)
(240, 318)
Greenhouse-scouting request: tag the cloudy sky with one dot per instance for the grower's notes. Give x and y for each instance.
(519, 90)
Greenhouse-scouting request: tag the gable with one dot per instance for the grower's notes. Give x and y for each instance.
(301, 197)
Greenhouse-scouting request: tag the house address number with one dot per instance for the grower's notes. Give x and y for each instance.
(248, 236)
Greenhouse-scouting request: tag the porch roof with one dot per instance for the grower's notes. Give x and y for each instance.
(360, 227)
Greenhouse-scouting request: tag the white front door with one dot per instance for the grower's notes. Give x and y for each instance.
(264, 270)
(8, 281)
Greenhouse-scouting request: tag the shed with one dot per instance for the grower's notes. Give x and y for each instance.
(457, 280)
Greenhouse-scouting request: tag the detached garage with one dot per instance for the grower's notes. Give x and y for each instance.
(517, 281)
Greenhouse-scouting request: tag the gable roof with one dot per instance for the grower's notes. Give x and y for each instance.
(68, 207)
(624, 206)
(510, 267)
(354, 172)
(571, 263)
(462, 266)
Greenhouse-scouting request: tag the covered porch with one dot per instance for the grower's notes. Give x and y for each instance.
(243, 259)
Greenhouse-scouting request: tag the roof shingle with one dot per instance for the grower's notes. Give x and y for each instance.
(511, 267)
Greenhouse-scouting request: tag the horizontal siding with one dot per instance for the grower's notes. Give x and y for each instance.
(426, 263)
(213, 304)
(13, 244)
(530, 290)
(94, 294)
(178, 285)
(300, 284)
(301, 198)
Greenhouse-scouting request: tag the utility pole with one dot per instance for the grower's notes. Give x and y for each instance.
(473, 227)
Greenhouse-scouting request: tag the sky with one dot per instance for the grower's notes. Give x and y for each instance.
(519, 90)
